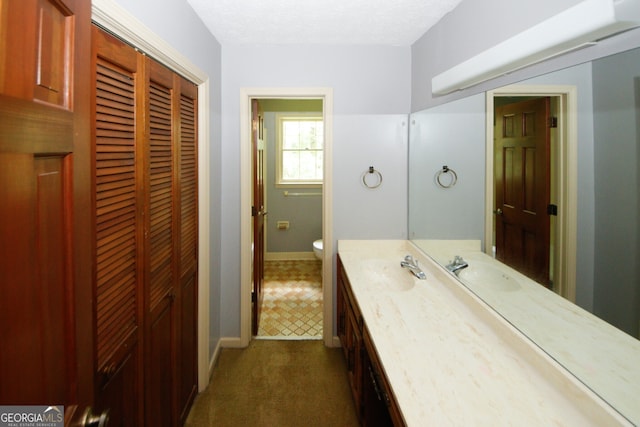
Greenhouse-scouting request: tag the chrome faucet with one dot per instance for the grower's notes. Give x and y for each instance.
(412, 265)
(457, 264)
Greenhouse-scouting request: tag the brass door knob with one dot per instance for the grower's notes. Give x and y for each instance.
(89, 419)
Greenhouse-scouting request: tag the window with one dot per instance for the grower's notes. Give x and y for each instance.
(299, 156)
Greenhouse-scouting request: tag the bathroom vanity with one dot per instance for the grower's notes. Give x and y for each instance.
(370, 388)
(431, 352)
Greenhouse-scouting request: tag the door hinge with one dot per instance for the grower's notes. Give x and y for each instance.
(553, 122)
(253, 296)
(552, 210)
(254, 211)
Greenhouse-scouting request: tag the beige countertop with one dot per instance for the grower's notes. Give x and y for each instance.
(452, 360)
(600, 355)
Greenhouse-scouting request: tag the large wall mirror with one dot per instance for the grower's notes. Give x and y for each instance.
(591, 180)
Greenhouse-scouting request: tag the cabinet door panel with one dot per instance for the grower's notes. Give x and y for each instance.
(159, 373)
(118, 270)
(188, 345)
(188, 259)
(160, 245)
(33, 292)
(160, 186)
(119, 393)
(349, 330)
(54, 46)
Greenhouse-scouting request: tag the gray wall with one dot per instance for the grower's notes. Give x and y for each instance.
(367, 81)
(303, 213)
(381, 141)
(176, 22)
(617, 157)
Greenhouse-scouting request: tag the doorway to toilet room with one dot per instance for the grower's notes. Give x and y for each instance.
(288, 206)
(288, 165)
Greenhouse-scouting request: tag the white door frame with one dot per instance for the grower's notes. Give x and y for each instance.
(122, 24)
(246, 95)
(567, 186)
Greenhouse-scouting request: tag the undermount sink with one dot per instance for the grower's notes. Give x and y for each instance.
(387, 275)
(488, 277)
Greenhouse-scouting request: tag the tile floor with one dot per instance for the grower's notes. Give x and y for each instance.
(292, 306)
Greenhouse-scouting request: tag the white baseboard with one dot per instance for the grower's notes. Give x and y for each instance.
(335, 342)
(222, 343)
(287, 338)
(288, 256)
(212, 362)
(231, 342)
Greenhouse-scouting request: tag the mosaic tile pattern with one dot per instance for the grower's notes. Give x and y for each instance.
(292, 306)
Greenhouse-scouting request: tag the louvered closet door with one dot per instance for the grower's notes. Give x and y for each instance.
(188, 260)
(146, 236)
(117, 215)
(160, 225)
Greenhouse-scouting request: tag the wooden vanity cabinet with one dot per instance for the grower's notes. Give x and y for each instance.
(370, 388)
(350, 334)
(379, 407)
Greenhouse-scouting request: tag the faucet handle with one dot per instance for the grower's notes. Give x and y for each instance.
(409, 259)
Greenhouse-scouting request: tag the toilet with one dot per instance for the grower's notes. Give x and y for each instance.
(317, 249)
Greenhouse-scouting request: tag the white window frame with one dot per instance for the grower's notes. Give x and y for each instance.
(280, 183)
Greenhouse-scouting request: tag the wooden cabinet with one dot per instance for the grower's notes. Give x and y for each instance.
(350, 334)
(378, 404)
(370, 388)
(145, 209)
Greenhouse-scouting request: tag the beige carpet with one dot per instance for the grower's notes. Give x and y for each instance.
(277, 383)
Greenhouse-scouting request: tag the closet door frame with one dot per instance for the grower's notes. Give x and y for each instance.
(122, 24)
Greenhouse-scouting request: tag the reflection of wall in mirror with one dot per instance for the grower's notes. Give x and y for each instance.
(616, 153)
(580, 76)
(451, 135)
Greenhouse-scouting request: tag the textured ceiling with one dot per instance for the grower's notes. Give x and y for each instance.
(361, 22)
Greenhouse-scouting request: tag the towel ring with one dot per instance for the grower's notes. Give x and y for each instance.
(378, 177)
(448, 172)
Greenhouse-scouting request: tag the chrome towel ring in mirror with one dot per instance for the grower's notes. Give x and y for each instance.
(446, 177)
(371, 178)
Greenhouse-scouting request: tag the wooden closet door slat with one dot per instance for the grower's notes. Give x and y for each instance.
(188, 183)
(116, 278)
(161, 187)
